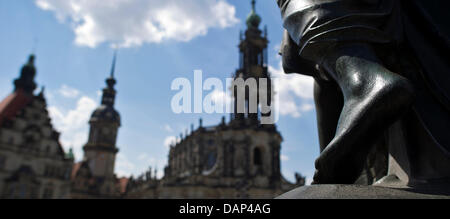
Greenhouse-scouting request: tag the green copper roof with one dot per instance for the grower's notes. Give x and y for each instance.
(253, 19)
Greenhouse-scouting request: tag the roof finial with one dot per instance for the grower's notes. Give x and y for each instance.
(253, 5)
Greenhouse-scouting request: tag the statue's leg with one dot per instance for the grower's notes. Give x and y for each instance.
(374, 98)
(329, 102)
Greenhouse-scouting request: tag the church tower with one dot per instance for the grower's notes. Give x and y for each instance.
(252, 65)
(100, 150)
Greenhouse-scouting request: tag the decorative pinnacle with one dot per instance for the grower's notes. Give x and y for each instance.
(253, 5)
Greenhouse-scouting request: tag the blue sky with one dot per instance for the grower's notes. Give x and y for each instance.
(73, 38)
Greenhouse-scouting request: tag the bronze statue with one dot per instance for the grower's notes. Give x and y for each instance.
(382, 71)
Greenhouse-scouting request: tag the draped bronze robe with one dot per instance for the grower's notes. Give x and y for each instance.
(409, 36)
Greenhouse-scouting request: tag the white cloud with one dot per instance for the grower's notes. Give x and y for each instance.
(295, 92)
(170, 141)
(129, 23)
(73, 123)
(68, 92)
(284, 157)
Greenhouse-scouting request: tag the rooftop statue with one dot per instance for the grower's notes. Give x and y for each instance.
(381, 70)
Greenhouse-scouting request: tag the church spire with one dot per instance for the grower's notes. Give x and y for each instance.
(109, 93)
(101, 149)
(106, 112)
(111, 81)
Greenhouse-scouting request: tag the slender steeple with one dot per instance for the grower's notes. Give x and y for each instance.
(106, 111)
(113, 67)
(27, 74)
(101, 149)
(109, 93)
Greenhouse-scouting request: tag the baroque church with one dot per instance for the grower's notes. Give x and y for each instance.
(235, 159)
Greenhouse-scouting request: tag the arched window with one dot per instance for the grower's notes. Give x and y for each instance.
(257, 157)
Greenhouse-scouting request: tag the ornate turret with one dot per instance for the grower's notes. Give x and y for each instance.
(26, 79)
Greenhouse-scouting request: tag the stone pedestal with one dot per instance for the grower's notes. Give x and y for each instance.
(362, 192)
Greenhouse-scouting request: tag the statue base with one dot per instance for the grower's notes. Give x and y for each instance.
(362, 192)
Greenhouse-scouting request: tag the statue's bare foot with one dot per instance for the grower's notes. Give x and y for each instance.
(374, 99)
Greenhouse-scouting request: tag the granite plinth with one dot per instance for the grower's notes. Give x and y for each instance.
(362, 192)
